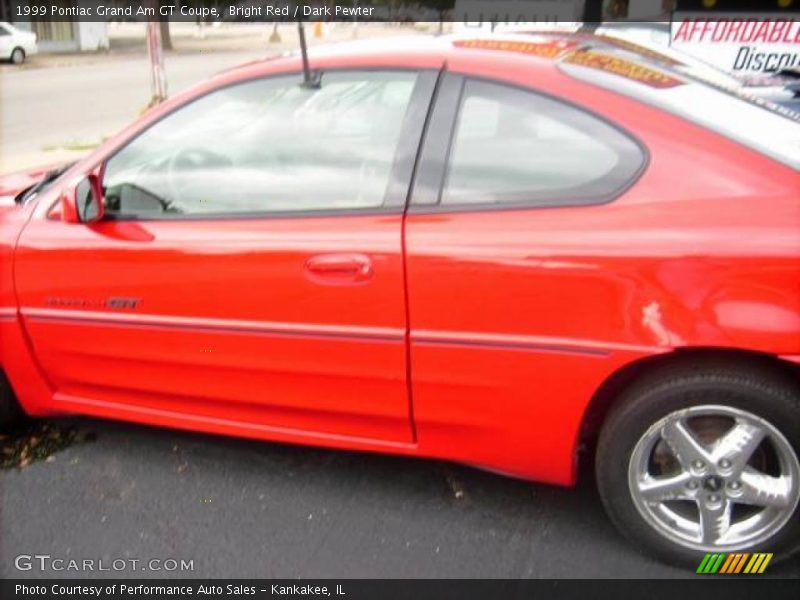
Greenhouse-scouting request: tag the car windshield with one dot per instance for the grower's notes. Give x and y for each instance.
(770, 129)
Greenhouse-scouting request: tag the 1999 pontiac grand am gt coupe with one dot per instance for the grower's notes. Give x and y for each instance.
(489, 251)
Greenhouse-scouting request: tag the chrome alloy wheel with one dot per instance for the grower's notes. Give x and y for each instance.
(714, 477)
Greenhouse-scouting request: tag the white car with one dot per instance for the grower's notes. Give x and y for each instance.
(15, 44)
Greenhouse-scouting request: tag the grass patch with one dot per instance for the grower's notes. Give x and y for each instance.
(74, 146)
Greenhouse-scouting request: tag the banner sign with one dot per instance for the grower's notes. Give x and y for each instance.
(478, 16)
(741, 43)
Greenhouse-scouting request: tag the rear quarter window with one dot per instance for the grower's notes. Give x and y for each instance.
(512, 146)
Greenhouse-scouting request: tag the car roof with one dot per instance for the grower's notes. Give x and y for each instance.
(394, 50)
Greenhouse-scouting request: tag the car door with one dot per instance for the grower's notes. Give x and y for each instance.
(509, 306)
(248, 273)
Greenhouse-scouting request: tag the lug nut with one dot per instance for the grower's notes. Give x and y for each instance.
(735, 485)
(713, 498)
(725, 463)
(698, 464)
(692, 485)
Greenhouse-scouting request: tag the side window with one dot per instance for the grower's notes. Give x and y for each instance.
(512, 146)
(268, 145)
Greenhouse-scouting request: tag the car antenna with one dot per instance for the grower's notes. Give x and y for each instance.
(310, 80)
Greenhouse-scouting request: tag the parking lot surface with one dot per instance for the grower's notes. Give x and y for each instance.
(239, 508)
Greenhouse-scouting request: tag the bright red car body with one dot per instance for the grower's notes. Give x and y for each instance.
(488, 337)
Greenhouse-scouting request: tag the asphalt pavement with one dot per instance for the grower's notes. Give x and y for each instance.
(239, 508)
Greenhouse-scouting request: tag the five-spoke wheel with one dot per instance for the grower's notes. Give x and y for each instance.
(704, 458)
(714, 476)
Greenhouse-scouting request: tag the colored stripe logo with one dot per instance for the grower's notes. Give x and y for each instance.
(734, 564)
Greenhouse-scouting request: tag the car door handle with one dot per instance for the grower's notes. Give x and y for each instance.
(339, 268)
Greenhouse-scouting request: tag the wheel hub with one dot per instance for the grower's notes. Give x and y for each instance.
(712, 483)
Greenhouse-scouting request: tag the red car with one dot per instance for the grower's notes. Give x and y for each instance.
(494, 251)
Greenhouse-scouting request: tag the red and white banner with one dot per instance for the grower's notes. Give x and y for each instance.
(741, 44)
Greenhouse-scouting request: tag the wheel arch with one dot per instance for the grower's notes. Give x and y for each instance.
(609, 391)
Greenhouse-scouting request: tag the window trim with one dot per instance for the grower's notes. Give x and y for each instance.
(438, 142)
(401, 173)
(444, 123)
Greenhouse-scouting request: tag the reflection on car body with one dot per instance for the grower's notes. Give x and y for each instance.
(494, 251)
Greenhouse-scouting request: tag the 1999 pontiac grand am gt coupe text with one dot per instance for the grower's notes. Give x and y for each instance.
(483, 250)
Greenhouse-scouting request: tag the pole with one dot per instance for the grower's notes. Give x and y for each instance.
(275, 38)
(157, 73)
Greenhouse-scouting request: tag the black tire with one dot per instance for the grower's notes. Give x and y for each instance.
(17, 56)
(10, 411)
(767, 391)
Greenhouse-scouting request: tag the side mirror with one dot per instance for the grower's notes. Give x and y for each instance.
(84, 203)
